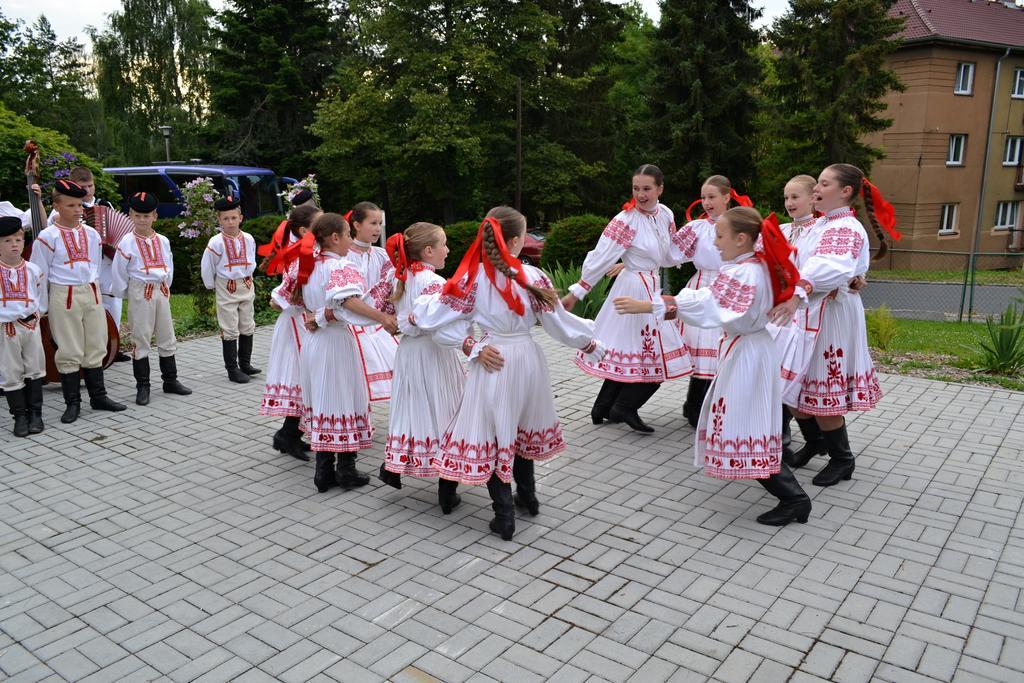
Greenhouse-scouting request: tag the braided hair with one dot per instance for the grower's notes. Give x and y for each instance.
(418, 237)
(513, 224)
(850, 175)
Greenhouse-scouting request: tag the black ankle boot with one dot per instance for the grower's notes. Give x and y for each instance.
(389, 478)
(169, 377)
(288, 440)
(794, 503)
(98, 399)
(447, 498)
(814, 444)
(632, 397)
(605, 400)
(323, 477)
(840, 459)
(229, 347)
(526, 487)
(245, 355)
(347, 476)
(695, 393)
(34, 394)
(71, 387)
(140, 368)
(504, 522)
(16, 401)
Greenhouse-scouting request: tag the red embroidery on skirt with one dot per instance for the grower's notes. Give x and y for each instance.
(732, 294)
(840, 393)
(538, 444)
(620, 233)
(282, 400)
(338, 433)
(840, 241)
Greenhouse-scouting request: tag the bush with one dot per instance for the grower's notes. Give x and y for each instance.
(1003, 351)
(570, 239)
(460, 236)
(678, 277)
(882, 328)
(561, 278)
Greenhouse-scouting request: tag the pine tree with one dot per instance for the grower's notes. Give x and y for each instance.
(703, 95)
(829, 85)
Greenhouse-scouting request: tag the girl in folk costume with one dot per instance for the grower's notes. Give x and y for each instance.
(738, 429)
(142, 272)
(282, 394)
(429, 377)
(840, 375)
(376, 347)
(337, 408)
(506, 420)
(696, 239)
(642, 352)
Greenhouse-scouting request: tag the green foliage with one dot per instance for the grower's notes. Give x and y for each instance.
(570, 239)
(881, 326)
(678, 277)
(1003, 352)
(14, 131)
(459, 235)
(561, 278)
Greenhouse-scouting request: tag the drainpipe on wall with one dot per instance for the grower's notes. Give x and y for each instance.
(971, 262)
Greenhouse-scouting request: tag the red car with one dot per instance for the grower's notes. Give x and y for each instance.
(532, 247)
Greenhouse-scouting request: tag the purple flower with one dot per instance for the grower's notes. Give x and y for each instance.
(61, 173)
(69, 156)
(207, 197)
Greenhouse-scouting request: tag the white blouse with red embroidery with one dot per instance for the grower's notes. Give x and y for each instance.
(68, 256)
(22, 292)
(147, 259)
(378, 272)
(428, 283)
(696, 242)
(832, 252)
(334, 281)
(228, 258)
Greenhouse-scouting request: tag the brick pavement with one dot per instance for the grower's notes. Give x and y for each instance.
(172, 543)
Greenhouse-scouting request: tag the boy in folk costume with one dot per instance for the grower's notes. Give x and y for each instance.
(142, 273)
(68, 253)
(739, 426)
(23, 299)
(227, 267)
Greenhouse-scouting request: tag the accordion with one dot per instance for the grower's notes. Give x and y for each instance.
(110, 223)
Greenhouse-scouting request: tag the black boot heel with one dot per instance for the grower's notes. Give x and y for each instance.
(323, 477)
(447, 498)
(390, 478)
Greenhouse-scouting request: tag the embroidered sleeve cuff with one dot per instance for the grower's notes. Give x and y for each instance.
(579, 290)
(324, 317)
(594, 351)
(477, 347)
(805, 287)
(659, 307)
(467, 346)
(671, 306)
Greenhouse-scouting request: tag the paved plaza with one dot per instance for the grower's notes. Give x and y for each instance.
(172, 543)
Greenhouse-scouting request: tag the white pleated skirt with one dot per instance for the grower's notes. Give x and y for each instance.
(282, 394)
(502, 415)
(377, 354)
(739, 433)
(840, 375)
(425, 395)
(337, 410)
(702, 342)
(796, 344)
(640, 349)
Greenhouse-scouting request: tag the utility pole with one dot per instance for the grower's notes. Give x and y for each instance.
(519, 144)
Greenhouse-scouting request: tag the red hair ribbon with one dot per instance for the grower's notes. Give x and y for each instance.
(395, 247)
(884, 211)
(348, 217)
(274, 250)
(475, 257)
(301, 249)
(689, 209)
(631, 204)
(742, 199)
(775, 254)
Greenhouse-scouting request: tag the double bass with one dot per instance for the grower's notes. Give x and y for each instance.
(38, 224)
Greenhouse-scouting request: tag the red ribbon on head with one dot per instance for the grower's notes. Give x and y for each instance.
(302, 249)
(348, 217)
(689, 209)
(631, 204)
(395, 247)
(275, 249)
(475, 257)
(741, 199)
(884, 211)
(775, 253)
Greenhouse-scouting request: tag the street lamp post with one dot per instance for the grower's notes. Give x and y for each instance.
(166, 130)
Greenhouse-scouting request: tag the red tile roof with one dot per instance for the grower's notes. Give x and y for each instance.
(976, 21)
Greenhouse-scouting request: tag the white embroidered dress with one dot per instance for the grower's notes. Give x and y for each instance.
(510, 412)
(377, 347)
(282, 393)
(696, 240)
(739, 432)
(840, 375)
(640, 349)
(427, 386)
(337, 408)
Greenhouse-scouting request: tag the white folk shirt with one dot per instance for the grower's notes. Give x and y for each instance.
(228, 258)
(22, 292)
(833, 252)
(334, 281)
(68, 256)
(378, 272)
(147, 259)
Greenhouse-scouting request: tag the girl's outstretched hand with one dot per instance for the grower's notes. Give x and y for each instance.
(390, 323)
(491, 359)
(625, 304)
(616, 269)
(782, 314)
(568, 301)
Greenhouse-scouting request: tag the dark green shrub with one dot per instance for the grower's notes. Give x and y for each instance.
(570, 239)
(460, 236)
(678, 277)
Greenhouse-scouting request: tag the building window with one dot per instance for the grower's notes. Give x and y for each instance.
(1014, 146)
(947, 219)
(964, 79)
(1006, 215)
(955, 153)
(1018, 83)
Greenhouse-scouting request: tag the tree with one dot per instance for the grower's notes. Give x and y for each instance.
(268, 73)
(703, 95)
(829, 85)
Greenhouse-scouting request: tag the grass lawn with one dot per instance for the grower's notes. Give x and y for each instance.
(982, 277)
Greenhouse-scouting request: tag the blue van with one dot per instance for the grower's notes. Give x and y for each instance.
(257, 187)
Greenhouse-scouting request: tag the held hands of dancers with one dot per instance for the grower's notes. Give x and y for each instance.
(490, 358)
(568, 301)
(625, 305)
(783, 314)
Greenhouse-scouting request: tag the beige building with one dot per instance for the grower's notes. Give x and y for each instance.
(955, 150)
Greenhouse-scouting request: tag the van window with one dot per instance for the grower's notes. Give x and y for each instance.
(181, 179)
(258, 193)
(153, 184)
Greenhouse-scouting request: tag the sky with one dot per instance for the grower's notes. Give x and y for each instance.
(93, 12)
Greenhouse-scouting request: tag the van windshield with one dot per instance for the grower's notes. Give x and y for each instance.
(258, 193)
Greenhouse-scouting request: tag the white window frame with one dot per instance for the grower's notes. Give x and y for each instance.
(1018, 84)
(1006, 215)
(964, 70)
(1013, 150)
(952, 158)
(947, 219)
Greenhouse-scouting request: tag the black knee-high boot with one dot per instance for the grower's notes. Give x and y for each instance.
(447, 498)
(504, 522)
(347, 476)
(787, 436)
(390, 478)
(323, 477)
(605, 400)
(840, 459)
(34, 391)
(695, 394)
(794, 503)
(526, 486)
(288, 439)
(631, 399)
(814, 444)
